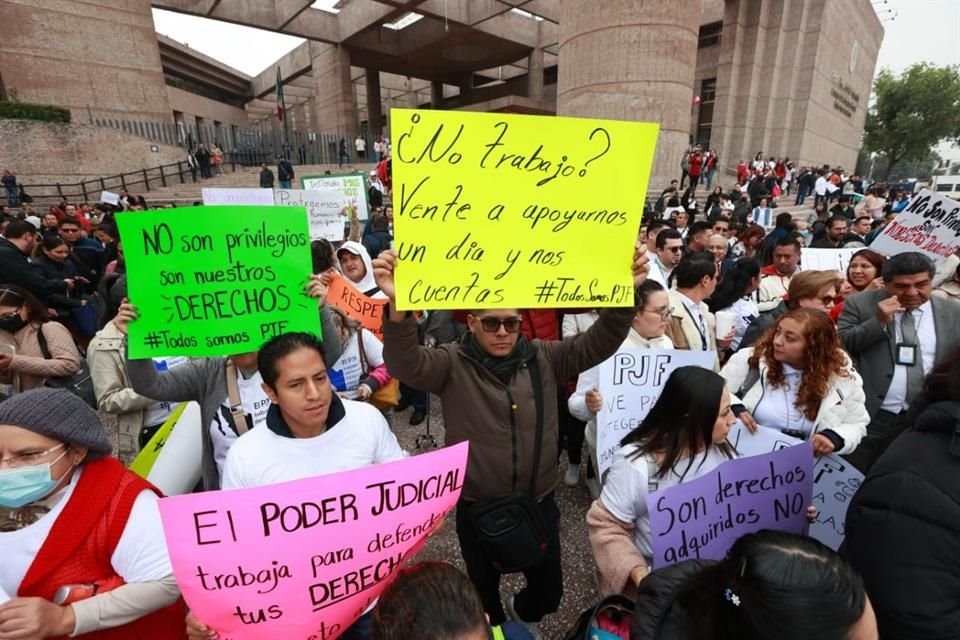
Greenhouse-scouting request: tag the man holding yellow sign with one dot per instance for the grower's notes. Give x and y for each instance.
(491, 219)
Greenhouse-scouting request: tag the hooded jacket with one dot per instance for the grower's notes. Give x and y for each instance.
(367, 285)
(903, 526)
(499, 420)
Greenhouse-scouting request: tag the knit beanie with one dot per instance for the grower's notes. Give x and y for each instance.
(60, 415)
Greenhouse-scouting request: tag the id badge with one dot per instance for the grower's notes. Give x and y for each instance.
(906, 354)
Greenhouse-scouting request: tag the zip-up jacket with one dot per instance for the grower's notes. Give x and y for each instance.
(843, 409)
(499, 420)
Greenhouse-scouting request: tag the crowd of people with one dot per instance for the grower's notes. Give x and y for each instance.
(861, 363)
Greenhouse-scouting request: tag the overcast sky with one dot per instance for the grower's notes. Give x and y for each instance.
(923, 30)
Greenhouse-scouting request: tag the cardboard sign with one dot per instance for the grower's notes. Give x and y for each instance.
(929, 224)
(630, 382)
(835, 480)
(323, 211)
(513, 211)
(305, 559)
(364, 309)
(216, 281)
(827, 259)
(702, 518)
(108, 197)
(218, 195)
(348, 189)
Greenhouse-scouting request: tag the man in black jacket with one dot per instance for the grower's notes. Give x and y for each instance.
(19, 241)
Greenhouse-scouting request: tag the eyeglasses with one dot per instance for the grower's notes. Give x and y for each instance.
(664, 313)
(492, 325)
(28, 459)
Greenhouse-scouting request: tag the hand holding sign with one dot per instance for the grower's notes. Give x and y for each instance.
(384, 266)
(503, 210)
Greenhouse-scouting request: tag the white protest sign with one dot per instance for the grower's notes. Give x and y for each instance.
(218, 195)
(323, 210)
(108, 197)
(835, 480)
(826, 259)
(3, 596)
(351, 187)
(930, 224)
(630, 382)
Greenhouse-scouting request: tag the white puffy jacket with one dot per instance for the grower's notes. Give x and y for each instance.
(843, 409)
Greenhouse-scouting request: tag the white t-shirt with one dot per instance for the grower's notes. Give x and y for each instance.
(255, 404)
(158, 412)
(140, 555)
(347, 371)
(625, 489)
(360, 439)
(777, 408)
(745, 311)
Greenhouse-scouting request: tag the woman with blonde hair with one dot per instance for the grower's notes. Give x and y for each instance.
(799, 380)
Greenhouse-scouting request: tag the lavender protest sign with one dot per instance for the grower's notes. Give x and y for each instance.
(702, 518)
(630, 382)
(930, 224)
(835, 480)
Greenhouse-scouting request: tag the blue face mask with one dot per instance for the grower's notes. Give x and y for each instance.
(22, 485)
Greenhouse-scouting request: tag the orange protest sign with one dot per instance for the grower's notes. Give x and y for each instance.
(364, 309)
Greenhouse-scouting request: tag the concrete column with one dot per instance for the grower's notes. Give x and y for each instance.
(436, 94)
(466, 89)
(535, 74)
(374, 104)
(632, 60)
(334, 106)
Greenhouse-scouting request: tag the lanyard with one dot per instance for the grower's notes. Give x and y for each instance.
(700, 328)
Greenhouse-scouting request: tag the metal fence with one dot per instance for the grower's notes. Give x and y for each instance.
(241, 146)
(136, 182)
(301, 147)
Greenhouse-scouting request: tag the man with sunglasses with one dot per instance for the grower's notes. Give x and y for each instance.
(499, 391)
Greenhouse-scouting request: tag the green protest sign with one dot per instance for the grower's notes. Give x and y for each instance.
(215, 281)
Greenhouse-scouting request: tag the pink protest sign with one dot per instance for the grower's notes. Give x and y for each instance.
(303, 560)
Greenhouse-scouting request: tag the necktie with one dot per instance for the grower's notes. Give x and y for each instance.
(908, 328)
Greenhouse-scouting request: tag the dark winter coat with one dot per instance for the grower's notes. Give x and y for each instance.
(903, 528)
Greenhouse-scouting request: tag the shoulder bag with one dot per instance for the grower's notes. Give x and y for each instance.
(387, 396)
(511, 529)
(79, 384)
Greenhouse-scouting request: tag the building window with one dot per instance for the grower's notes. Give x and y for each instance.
(709, 35)
(708, 94)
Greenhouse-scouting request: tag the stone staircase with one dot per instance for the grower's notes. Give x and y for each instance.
(244, 177)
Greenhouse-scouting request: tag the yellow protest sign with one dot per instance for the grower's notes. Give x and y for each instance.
(513, 211)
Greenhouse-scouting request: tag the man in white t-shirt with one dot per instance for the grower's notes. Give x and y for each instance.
(310, 431)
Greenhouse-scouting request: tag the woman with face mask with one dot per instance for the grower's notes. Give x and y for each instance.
(23, 320)
(83, 546)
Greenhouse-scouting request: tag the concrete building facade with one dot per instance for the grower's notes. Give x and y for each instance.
(788, 78)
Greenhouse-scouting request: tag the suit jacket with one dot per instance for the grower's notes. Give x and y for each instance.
(683, 331)
(872, 345)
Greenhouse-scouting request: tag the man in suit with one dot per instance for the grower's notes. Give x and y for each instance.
(895, 335)
(692, 326)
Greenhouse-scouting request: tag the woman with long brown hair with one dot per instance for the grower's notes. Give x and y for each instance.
(748, 241)
(799, 380)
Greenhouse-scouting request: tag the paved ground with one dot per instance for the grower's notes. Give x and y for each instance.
(578, 570)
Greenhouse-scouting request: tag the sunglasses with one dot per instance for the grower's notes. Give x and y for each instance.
(12, 314)
(675, 249)
(827, 300)
(492, 325)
